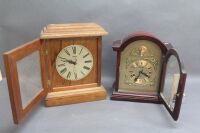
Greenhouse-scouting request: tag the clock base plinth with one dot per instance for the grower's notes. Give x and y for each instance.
(75, 96)
(123, 96)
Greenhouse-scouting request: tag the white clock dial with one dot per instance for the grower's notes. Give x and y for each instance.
(74, 62)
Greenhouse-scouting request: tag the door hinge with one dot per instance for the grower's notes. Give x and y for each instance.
(49, 83)
(46, 52)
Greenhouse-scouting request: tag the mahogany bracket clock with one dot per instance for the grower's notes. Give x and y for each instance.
(149, 70)
(63, 66)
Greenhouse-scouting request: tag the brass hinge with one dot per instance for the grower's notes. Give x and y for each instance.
(49, 83)
(46, 52)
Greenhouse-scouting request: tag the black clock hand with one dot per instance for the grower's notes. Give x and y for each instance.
(137, 76)
(145, 74)
(69, 61)
(66, 60)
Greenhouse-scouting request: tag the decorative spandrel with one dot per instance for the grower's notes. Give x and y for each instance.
(172, 77)
(29, 75)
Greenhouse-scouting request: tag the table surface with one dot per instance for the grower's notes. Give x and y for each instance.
(105, 116)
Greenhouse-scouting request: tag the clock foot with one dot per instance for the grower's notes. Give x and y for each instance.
(75, 96)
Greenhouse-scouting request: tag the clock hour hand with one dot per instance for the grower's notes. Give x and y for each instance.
(69, 61)
(137, 76)
(145, 74)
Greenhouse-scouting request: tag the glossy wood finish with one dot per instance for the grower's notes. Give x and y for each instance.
(10, 59)
(181, 86)
(119, 46)
(135, 97)
(167, 50)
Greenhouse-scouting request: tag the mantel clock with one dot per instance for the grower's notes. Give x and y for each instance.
(148, 70)
(63, 65)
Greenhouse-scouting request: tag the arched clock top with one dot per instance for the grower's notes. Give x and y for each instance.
(119, 45)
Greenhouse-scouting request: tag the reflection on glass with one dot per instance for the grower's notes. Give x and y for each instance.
(171, 82)
(29, 77)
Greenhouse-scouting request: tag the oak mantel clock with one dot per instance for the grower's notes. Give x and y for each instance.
(63, 65)
(149, 70)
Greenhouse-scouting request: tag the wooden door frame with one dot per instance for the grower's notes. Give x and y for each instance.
(10, 59)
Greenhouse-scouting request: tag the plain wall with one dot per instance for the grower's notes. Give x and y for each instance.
(176, 22)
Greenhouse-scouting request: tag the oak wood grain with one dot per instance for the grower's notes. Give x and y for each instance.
(72, 30)
(10, 60)
(75, 96)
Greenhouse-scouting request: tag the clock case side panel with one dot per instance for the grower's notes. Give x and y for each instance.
(99, 59)
(119, 46)
(181, 85)
(10, 59)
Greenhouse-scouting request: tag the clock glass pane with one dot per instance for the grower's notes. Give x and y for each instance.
(74, 62)
(29, 75)
(172, 78)
(140, 66)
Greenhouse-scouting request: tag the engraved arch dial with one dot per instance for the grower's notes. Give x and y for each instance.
(140, 67)
(74, 62)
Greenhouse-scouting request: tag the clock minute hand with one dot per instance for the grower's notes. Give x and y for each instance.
(145, 74)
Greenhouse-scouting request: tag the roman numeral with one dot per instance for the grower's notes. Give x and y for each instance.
(68, 75)
(80, 51)
(63, 70)
(88, 61)
(75, 75)
(61, 57)
(74, 49)
(67, 52)
(82, 72)
(86, 55)
(87, 68)
(61, 65)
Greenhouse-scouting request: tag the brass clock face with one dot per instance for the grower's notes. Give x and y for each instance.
(140, 72)
(74, 62)
(140, 66)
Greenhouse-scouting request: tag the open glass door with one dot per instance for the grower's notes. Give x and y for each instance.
(25, 72)
(173, 83)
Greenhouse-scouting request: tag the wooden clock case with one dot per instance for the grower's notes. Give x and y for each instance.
(167, 50)
(56, 90)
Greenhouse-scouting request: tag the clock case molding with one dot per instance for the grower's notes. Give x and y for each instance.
(54, 95)
(167, 50)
